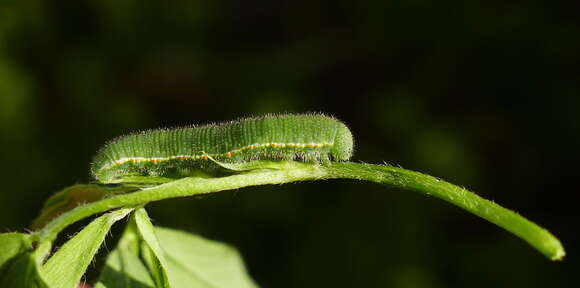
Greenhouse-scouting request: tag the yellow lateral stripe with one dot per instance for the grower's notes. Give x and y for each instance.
(124, 160)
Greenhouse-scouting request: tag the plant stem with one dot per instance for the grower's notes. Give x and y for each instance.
(536, 236)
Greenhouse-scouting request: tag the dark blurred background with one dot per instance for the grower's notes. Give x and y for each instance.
(483, 94)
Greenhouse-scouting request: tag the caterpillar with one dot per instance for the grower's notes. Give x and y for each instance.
(181, 152)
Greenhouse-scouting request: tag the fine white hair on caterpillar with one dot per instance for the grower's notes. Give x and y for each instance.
(181, 152)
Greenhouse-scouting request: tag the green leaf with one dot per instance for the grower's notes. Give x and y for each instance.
(151, 251)
(23, 272)
(66, 267)
(12, 244)
(124, 268)
(190, 261)
(186, 260)
(18, 263)
(197, 262)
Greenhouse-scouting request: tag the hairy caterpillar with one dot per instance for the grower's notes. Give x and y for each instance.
(181, 152)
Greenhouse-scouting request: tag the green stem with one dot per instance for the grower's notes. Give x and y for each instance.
(536, 236)
(180, 188)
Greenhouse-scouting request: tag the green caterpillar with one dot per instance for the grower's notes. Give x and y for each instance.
(183, 152)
